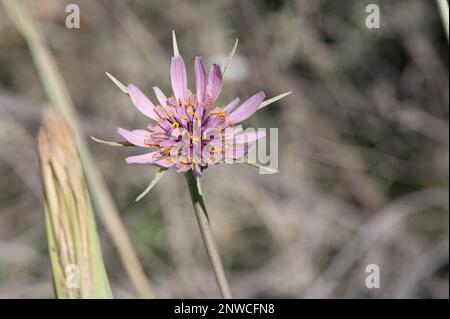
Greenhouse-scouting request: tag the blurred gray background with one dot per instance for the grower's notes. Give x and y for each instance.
(363, 146)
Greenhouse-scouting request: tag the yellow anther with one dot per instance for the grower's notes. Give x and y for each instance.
(196, 116)
(176, 124)
(150, 144)
(222, 114)
(190, 104)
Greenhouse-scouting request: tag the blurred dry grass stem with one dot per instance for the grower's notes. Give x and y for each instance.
(73, 241)
(443, 10)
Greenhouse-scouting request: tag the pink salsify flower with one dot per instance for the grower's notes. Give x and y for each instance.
(188, 130)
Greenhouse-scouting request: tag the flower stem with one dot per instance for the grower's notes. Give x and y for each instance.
(208, 240)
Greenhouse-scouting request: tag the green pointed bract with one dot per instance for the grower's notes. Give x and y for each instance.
(159, 174)
(119, 84)
(261, 167)
(273, 100)
(111, 143)
(230, 56)
(176, 52)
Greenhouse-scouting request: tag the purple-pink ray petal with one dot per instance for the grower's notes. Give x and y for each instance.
(246, 109)
(155, 128)
(141, 102)
(230, 106)
(237, 151)
(165, 125)
(147, 158)
(164, 162)
(249, 137)
(200, 79)
(183, 168)
(162, 98)
(178, 77)
(134, 138)
(214, 83)
(142, 133)
(167, 143)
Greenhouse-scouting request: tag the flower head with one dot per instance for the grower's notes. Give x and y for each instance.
(188, 129)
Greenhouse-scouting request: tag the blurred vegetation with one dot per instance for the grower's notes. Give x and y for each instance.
(363, 146)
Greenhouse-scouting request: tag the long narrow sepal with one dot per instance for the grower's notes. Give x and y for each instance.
(175, 44)
(274, 99)
(230, 56)
(119, 84)
(159, 174)
(259, 166)
(111, 143)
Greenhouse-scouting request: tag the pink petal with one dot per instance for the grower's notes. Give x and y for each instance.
(155, 128)
(249, 137)
(165, 125)
(147, 158)
(214, 83)
(230, 106)
(232, 131)
(164, 163)
(246, 109)
(178, 77)
(237, 151)
(142, 133)
(134, 138)
(183, 168)
(161, 112)
(162, 98)
(200, 78)
(141, 102)
(166, 143)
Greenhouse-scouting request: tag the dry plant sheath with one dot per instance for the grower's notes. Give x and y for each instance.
(75, 254)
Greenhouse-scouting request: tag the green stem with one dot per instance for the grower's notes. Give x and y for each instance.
(208, 240)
